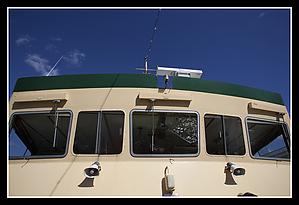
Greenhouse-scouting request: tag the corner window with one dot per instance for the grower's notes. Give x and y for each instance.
(268, 139)
(39, 134)
(99, 133)
(224, 135)
(164, 133)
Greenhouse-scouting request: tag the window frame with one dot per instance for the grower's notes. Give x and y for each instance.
(224, 141)
(43, 112)
(286, 132)
(163, 155)
(98, 137)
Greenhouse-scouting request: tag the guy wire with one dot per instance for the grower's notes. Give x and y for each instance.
(149, 49)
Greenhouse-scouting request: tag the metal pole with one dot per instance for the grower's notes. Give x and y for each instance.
(56, 122)
(146, 72)
(224, 135)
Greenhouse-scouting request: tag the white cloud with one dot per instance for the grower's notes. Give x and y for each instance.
(41, 65)
(24, 39)
(50, 47)
(74, 58)
(262, 14)
(56, 39)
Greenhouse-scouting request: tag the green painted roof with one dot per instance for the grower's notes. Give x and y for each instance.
(209, 86)
(142, 81)
(86, 81)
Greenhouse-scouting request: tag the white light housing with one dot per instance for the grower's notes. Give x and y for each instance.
(169, 180)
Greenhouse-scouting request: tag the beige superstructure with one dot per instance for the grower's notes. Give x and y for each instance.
(124, 174)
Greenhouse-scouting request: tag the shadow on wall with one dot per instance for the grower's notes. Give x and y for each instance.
(163, 187)
(229, 180)
(87, 182)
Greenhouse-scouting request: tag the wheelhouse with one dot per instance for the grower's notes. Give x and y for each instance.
(146, 138)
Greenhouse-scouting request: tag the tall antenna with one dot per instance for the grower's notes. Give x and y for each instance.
(149, 49)
(54, 66)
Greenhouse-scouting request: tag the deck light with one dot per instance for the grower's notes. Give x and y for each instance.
(169, 180)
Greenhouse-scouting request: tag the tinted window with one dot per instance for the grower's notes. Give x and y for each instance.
(99, 132)
(36, 134)
(224, 135)
(164, 133)
(268, 139)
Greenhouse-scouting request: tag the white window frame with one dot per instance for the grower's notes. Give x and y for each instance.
(286, 132)
(163, 155)
(44, 156)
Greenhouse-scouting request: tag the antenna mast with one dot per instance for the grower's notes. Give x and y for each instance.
(54, 66)
(149, 49)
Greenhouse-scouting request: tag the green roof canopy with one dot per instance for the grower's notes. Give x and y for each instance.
(142, 81)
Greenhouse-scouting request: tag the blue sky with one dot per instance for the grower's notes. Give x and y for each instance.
(248, 47)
